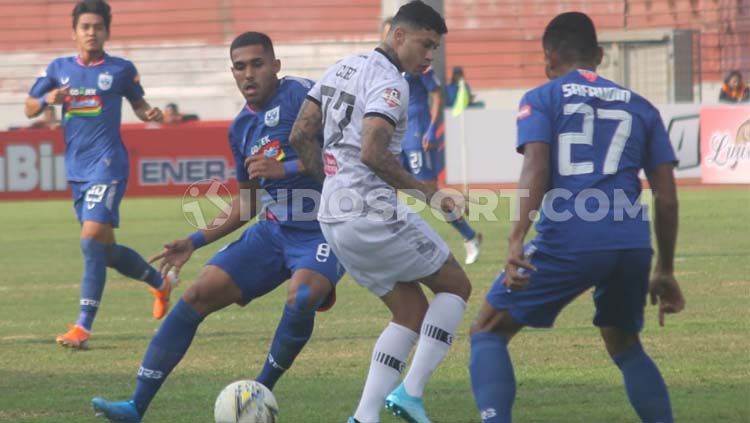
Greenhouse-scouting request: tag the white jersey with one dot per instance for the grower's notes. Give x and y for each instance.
(358, 86)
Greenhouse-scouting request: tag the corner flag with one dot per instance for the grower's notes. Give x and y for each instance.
(462, 99)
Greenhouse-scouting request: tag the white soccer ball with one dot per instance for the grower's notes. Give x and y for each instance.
(246, 401)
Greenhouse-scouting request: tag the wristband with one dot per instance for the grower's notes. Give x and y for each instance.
(198, 239)
(291, 167)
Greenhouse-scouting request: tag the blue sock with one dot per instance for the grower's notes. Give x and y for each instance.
(293, 332)
(462, 226)
(166, 349)
(92, 283)
(645, 386)
(492, 378)
(132, 265)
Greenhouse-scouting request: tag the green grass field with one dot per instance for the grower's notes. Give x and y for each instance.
(564, 374)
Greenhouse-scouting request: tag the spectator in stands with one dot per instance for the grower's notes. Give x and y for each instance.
(172, 115)
(734, 90)
(451, 90)
(48, 121)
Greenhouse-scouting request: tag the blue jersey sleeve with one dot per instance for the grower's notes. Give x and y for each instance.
(430, 81)
(45, 83)
(239, 159)
(659, 148)
(533, 122)
(132, 89)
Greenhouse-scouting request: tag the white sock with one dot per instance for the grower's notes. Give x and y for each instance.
(439, 324)
(388, 361)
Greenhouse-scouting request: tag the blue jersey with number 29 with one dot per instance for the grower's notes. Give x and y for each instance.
(600, 135)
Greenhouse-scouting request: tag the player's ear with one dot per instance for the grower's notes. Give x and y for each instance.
(399, 35)
(276, 65)
(599, 56)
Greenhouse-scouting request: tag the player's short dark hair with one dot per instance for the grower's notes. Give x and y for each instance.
(572, 36)
(421, 16)
(251, 38)
(97, 7)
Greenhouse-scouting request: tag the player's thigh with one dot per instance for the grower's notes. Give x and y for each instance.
(213, 290)
(254, 262)
(314, 266)
(99, 202)
(558, 280)
(451, 278)
(620, 298)
(407, 304)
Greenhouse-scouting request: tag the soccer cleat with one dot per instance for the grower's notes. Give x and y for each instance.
(161, 295)
(120, 411)
(76, 337)
(352, 420)
(472, 248)
(405, 406)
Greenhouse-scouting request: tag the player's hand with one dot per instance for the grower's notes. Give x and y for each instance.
(517, 267)
(153, 114)
(426, 145)
(174, 255)
(260, 166)
(57, 96)
(665, 291)
(428, 138)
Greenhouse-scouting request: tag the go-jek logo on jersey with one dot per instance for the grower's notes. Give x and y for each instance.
(269, 148)
(82, 102)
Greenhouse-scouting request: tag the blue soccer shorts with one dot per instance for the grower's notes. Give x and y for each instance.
(422, 164)
(619, 277)
(267, 254)
(98, 201)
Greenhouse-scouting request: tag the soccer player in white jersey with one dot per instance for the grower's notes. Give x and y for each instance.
(361, 105)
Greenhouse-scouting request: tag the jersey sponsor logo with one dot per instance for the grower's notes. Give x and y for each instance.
(524, 112)
(269, 148)
(83, 105)
(392, 97)
(590, 76)
(105, 81)
(330, 166)
(271, 117)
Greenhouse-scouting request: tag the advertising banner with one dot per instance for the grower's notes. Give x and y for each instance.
(725, 145)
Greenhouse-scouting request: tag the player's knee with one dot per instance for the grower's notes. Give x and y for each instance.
(306, 298)
(618, 341)
(462, 285)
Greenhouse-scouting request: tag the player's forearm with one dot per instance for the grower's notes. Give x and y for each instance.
(304, 140)
(383, 163)
(437, 107)
(534, 180)
(33, 107)
(665, 227)
(232, 218)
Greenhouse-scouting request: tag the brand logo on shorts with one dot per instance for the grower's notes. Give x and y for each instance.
(271, 118)
(392, 97)
(105, 81)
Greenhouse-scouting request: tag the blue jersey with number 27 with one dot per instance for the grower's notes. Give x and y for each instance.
(600, 135)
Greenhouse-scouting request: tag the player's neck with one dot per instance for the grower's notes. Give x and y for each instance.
(88, 57)
(390, 53)
(567, 68)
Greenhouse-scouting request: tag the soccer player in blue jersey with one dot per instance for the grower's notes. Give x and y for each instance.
(90, 87)
(419, 148)
(284, 244)
(584, 141)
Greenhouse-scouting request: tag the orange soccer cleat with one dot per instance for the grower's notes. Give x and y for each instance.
(76, 337)
(161, 295)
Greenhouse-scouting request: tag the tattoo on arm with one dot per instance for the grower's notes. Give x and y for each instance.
(304, 139)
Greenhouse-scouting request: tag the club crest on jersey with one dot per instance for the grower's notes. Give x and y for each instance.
(524, 112)
(392, 97)
(271, 118)
(105, 81)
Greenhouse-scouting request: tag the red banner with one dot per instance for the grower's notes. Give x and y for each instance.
(163, 160)
(725, 144)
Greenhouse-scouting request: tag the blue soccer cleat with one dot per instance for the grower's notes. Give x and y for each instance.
(406, 406)
(120, 411)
